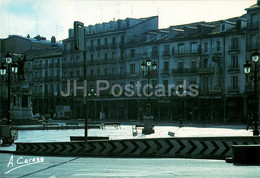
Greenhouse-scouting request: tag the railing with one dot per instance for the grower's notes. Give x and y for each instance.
(131, 57)
(233, 48)
(206, 70)
(154, 54)
(233, 89)
(232, 68)
(91, 48)
(185, 71)
(104, 46)
(186, 53)
(113, 45)
(165, 73)
(166, 54)
(67, 65)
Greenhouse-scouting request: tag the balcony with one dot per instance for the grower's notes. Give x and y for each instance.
(91, 48)
(67, 65)
(186, 53)
(233, 89)
(233, 69)
(206, 70)
(78, 64)
(135, 75)
(132, 57)
(186, 71)
(154, 54)
(51, 65)
(165, 73)
(98, 47)
(121, 45)
(216, 89)
(37, 66)
(233, 49)
(104, 46)
(217, 51)
(57, 64)
(166, 54)
(113, 45)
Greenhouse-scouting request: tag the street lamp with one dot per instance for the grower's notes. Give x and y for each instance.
(148, 67)
(92, 93)
(254, 78)
(8, 68)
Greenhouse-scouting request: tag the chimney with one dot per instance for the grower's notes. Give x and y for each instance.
(53, 39)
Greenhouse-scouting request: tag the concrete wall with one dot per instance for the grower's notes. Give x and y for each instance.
(192, 147)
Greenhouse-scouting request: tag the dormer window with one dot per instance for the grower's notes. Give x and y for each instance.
(223, 27)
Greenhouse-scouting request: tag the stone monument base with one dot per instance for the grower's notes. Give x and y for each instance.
(148, 125)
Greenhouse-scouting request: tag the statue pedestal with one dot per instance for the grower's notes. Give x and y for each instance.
(21, 105)
(148, 125)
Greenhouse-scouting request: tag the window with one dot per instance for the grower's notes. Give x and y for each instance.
(98, 71)
(122, 39)
(113, 56)
(173, 50)
(122, 71)
(122, 55)
(193, 47)
(205, 62)
(205, 84)
(132, 68)
(105, 42)
(105, 56)
(193, 66)
(234, 62)
(166, 50)
(77, 72)
(234, 43)
(253, 41)
(166, 66)
(165, 84)
(180, 66)
(92, 43)
(254, 20)
(71, 74)
(205, 47)
(154, 51)
(98, 42)
(65, 74)
(181, 48)
(91, 73)
(132, 53)
(92, 57)
(223, 27)
(105, 71)
(113, 71)
(234, 80)
(218, 46)
(114, 40)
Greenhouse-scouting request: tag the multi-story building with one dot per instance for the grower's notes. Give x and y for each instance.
(207, 54)
(43, 72)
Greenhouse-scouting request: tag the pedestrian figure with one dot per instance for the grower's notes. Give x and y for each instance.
(249, 121)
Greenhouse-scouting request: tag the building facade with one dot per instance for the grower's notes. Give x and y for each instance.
(208, 55)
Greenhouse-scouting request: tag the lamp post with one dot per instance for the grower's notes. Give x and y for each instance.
(8, 68)
(92, 93)
(148, 67)
(254, 78)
